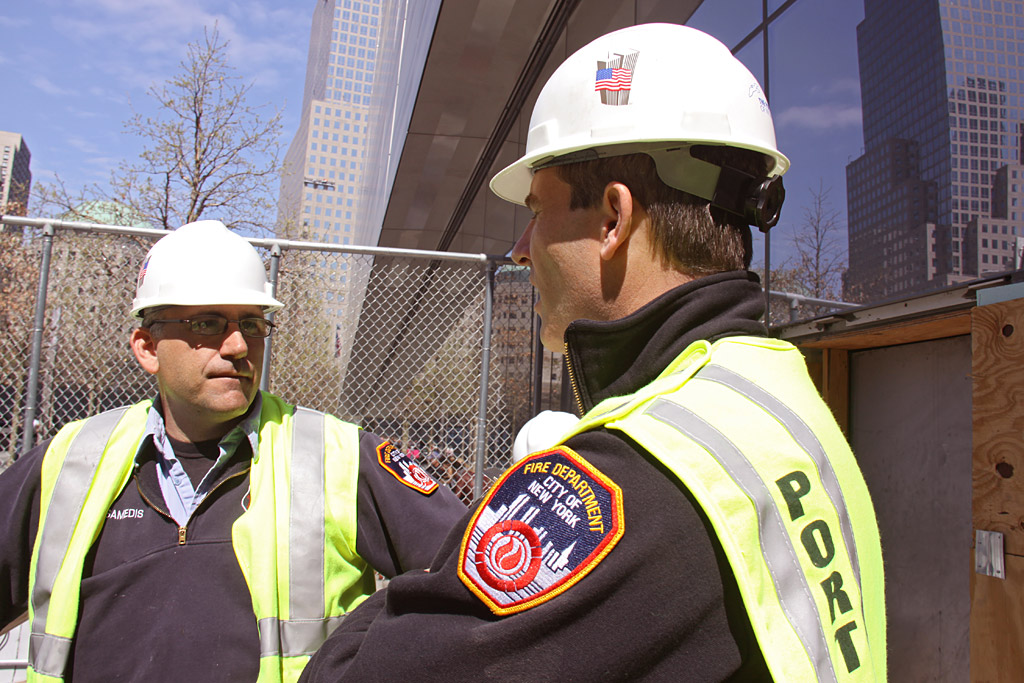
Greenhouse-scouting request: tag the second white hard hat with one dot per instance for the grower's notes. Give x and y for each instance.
(652, 88)
(542, 431)
(203, 263)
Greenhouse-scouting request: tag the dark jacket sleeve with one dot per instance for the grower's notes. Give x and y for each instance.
(19, 510)
(660, 606)
(398, 526)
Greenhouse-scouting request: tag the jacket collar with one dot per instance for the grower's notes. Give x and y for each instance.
(617, 357)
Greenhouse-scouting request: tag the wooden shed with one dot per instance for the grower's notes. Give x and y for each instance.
(930, 391)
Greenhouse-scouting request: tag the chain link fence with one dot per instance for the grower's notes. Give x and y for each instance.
(435, 351)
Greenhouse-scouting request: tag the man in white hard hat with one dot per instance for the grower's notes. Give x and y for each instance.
(215, 533)
(705, 519)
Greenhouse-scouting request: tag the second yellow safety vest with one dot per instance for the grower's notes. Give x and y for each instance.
(302, 514)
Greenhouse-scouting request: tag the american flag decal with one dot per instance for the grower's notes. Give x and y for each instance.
(615, 77)
(142, 272)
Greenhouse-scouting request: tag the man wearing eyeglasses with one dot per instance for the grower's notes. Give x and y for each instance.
(216, 532)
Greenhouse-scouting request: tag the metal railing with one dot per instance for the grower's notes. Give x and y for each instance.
(435, 350)
(798, 302)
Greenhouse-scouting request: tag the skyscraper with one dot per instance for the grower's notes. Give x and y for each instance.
(15, 175)
(325, 161)
(941, 87)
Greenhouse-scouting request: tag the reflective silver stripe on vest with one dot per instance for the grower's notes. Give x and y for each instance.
(804, 437)
(281, 638)
(776, 546)
(48, 654)
(308, 628)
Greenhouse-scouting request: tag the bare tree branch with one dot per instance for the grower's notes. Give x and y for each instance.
(206, 149)
(820, 256)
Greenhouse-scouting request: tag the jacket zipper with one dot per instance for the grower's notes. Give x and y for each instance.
(572, 380)
(183, 530)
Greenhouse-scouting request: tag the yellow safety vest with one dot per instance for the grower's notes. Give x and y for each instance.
(741, 425)
(302, 513)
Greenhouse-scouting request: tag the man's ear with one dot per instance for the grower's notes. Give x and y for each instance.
(144, 347)
(619, 219)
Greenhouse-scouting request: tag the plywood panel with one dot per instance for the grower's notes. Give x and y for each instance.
(997, 622)
(910, 424)
(998, 422)
(836, 385)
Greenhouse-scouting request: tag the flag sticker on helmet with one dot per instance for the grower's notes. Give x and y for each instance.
(614, 77)
(142, 272)
(543, 526)
(405, 469)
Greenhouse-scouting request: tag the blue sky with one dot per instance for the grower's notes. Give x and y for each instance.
(814, 93)
(71, 72)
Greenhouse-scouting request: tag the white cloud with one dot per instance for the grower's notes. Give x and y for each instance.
(49, 87)
(820, 117)
(11, 22)
(140, 43)
(42, 175)
(839, 86)
(82, 145)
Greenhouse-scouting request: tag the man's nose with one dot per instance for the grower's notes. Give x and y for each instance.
(235, 344)
(521, 251)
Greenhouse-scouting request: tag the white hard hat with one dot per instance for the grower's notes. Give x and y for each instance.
(203, 263)
(652, 88)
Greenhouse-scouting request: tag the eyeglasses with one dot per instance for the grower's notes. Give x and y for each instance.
(212, 325)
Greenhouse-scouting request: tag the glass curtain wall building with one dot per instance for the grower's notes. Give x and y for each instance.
(935, 198)
(324, 166)
(805, 54)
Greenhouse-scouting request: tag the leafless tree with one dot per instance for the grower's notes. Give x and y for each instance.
(817, 267)
(820, 255)
(19, 274)
(207, 152)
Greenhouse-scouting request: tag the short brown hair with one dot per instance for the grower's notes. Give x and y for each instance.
(687, 233)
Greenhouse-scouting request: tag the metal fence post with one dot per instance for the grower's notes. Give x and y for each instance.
(32, 398)
(481, 423)
(275, 266)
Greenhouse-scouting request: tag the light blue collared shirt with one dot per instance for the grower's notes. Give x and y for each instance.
(181, 497)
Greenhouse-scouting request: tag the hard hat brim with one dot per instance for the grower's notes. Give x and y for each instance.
(266, 302)
(512, 183)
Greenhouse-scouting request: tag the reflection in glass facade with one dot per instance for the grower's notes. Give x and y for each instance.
(407, 28)
(934, 199)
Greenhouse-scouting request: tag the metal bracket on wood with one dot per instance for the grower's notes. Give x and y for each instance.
(988, 553)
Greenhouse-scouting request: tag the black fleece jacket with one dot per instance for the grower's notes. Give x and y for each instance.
(154, 608)
(662, 605)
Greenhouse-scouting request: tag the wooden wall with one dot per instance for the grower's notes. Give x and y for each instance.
(997, 605)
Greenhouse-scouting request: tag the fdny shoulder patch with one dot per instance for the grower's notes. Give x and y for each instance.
(544, 525)
(405, 469)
